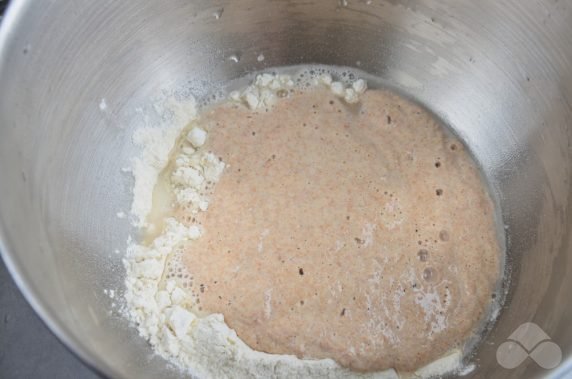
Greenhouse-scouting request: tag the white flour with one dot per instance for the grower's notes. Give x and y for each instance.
(156, 144)
(160, 309)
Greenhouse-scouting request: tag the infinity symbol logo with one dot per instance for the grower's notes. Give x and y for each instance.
(528, 340)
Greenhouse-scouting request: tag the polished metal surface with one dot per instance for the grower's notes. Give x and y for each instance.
(498, 72)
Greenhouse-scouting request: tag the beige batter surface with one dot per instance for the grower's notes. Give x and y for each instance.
(359, 233)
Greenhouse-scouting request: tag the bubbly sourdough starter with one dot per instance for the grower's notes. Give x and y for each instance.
(342, 227)
(361, 233)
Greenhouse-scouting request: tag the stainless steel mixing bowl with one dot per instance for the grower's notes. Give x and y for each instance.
(499, 72)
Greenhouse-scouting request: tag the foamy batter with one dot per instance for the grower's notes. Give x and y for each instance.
(357, 232)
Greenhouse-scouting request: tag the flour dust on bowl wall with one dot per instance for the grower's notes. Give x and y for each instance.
(369, 189)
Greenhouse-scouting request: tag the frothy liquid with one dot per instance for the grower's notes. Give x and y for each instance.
(361, 233)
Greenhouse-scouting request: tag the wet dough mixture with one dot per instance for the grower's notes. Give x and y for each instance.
(361, 233)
